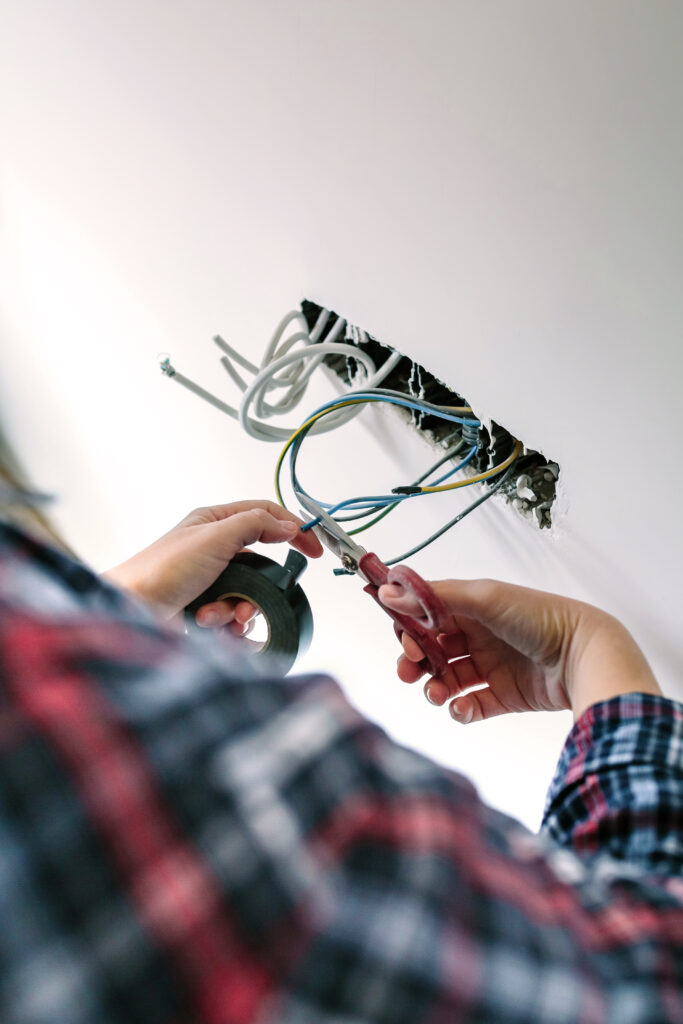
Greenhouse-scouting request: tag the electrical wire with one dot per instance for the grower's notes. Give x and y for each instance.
(516, 452)
(461, 515)
(254, 392)
(330, 407)
(287, 369)
(506, 468)
(456, 469)
(374, 503)
(347, 519)
(196, 389)
(297, 487)
(356, 398)
(397, 397)
(456, 413)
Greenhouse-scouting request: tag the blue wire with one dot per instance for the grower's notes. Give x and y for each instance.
(369, 396)
(370, 501)
(357, 503)
(327, 504)
(468, 458)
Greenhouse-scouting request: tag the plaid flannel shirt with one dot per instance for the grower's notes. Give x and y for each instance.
(186, 839)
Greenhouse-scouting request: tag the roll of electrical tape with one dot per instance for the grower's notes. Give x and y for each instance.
(273, 589)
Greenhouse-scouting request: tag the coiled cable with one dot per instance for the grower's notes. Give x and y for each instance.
(286, 367)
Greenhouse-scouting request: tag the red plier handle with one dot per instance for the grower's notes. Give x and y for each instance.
(423, 630)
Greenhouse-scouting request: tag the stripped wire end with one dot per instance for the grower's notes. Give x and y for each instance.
(165, 366)
(309, 525)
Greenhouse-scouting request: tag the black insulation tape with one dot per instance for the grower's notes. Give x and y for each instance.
(273, 589)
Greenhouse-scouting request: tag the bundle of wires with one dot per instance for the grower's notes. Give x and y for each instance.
(376, 506)
(286, 368)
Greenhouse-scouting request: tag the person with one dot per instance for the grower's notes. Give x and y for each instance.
(185, 837)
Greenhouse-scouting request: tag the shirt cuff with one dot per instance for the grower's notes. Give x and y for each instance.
(618, 786)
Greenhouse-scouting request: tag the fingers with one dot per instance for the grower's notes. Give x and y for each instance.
(460, 675)
(307, 543)
(466, 705)
(399, 599)
(534, 623)
(410, 665)
(409, 670)
(268, 514)
(239, 621)
(454, 645)
(236, 616)
(259, 524)
(221, 613)
(476, 706)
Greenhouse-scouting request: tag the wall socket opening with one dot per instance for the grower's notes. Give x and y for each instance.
(532, 488)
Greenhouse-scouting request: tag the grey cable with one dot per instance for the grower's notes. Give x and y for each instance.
(366, 513)
(196, 389)
(470, 508)
(388, 392)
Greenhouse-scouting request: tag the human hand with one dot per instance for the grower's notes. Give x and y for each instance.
(533, 651)
(179, 566)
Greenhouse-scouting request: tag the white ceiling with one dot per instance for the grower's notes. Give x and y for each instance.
(494, 189)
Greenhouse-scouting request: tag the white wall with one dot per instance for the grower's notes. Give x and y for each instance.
(493, 188)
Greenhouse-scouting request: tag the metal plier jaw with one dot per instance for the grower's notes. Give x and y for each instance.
(333, 537)
(355, 559)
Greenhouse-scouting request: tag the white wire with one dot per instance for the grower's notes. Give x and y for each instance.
(263, 431)
(227, 365)
(287, 369)
(297, 375)
(237, 356)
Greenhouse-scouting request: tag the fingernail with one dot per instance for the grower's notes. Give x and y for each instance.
(463, 715)
(435, 694)
(290, 528)
(210, 619)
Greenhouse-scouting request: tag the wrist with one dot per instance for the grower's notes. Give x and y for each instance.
(126, 578)
(607, 662)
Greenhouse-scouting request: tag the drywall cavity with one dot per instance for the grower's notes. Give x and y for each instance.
(531, 489)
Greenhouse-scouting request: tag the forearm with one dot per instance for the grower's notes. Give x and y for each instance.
(606, 664)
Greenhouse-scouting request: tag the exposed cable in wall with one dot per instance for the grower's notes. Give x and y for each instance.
(307, 339)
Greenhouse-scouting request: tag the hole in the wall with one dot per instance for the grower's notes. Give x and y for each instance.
(532, 488)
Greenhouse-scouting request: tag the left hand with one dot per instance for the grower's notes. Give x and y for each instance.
(175, 569)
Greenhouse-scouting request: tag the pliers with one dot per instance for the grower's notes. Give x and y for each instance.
(356, 559)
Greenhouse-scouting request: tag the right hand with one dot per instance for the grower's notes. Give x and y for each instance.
(534, 651)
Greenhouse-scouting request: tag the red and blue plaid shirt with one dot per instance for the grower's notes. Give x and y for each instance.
(186, 839)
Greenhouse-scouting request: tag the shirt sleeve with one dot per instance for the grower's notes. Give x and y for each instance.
(184, 837)
(618, 788)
